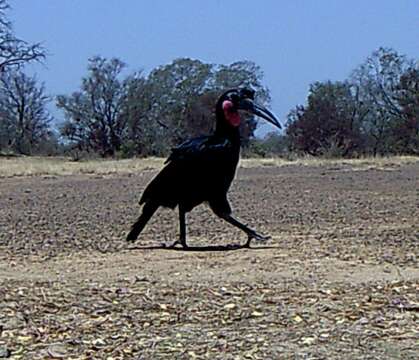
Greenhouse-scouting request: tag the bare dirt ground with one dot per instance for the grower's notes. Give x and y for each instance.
(338, 280)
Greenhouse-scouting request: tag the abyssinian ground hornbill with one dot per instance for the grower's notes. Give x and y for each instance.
(202, 169)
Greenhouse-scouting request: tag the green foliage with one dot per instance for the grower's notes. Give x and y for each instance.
(329, 124)
(405, 129)
(374, 112)
(148, 115)
(183, 94)
(272, 145)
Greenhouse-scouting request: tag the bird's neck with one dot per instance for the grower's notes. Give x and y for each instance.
(228, 132)
(224, 130)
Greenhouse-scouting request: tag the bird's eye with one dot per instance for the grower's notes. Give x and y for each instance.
(248, 93)
(235, 98)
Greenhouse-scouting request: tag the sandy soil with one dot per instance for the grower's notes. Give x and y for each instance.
(338, 280)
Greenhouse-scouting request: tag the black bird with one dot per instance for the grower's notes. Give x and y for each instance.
(202, 169)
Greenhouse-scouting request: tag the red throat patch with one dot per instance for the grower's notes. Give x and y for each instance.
(231, 115)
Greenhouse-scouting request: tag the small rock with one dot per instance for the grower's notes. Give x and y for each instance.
(4, 352)
(57, 351)
(229, 306)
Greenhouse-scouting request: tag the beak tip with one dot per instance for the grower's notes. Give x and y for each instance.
(261, 111)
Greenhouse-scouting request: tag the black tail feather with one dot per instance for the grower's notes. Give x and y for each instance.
(148, 210)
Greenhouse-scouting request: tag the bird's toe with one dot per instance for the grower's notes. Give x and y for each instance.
(178, 242)
(259, 237)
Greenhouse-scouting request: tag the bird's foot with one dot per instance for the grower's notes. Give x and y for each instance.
(233, 246)
(130, 238)
(177, 242)
(257, 237)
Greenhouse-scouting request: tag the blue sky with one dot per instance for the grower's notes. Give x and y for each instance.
(295, 42)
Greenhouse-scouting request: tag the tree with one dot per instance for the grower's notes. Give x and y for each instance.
(141, 115)
(158, 106)
(14, 51)
(176, 101)
(94, 118)
(175, 88)
(146, 134)
(272, 144)
(25, 118)
(377, 80)
(330, 122)
(374, 112)
(405, 129)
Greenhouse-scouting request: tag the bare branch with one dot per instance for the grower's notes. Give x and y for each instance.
(15, 52)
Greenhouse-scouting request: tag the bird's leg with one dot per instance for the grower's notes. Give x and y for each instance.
(252, 234)
(182, 229)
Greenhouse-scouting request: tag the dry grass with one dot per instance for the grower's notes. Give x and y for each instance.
(364, 163)
(59, 166)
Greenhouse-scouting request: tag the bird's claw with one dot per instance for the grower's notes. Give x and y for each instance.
(176, 243)
(172, 246)
(257, 237)
(233, 246)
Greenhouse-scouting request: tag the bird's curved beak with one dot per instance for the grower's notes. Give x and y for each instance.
(259, 110)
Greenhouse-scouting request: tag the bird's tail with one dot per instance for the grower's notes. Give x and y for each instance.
(148, 210)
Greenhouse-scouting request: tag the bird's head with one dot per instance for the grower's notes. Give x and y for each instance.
(233, 100)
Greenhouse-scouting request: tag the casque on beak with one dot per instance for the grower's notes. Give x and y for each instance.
(259, 110)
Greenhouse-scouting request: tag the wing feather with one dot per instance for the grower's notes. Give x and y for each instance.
(199, 148)
(186, 161)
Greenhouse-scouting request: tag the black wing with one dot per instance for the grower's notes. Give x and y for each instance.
(187, 161)
(199, 148)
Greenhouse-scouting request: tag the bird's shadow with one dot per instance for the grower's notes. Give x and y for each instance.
(201, 248)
